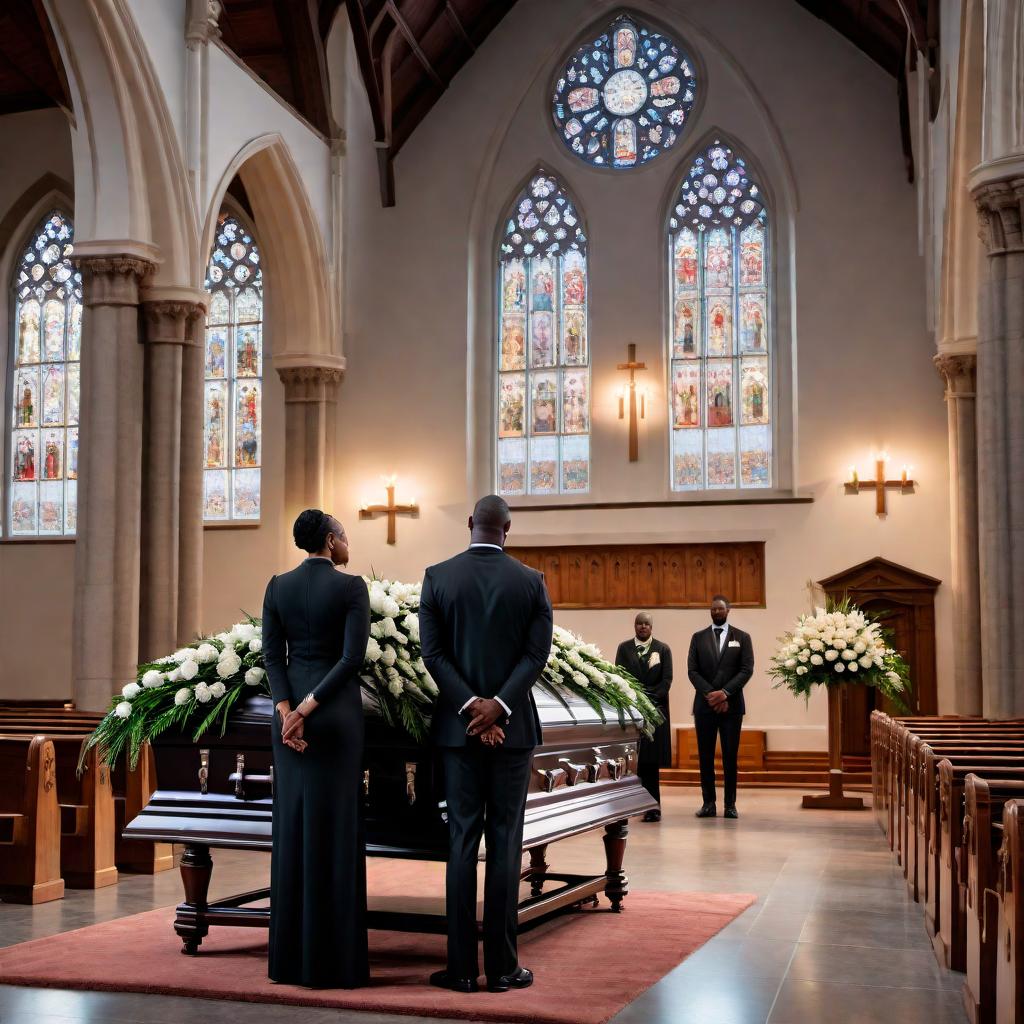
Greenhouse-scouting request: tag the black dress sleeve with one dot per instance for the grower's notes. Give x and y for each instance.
(357, 632)
(275, 648)
(660, 693)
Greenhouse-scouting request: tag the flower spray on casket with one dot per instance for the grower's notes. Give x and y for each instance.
(196, 687)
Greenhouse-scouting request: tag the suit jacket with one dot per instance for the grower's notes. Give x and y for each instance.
(316, 622)
(656, 681)
(485, 630)
(709, 672)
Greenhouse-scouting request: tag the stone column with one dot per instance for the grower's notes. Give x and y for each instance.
(958, 371)
(168, 337)
(311, 403)
(190, 513)
(105, 630)
(1000, 425)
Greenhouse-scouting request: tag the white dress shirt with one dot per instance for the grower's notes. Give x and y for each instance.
(498, 547)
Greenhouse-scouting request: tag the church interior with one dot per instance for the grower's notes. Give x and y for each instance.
(724, 301)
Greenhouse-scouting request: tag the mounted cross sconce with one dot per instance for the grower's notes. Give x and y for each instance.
(391, 509)
(632, 365)
(879, 485)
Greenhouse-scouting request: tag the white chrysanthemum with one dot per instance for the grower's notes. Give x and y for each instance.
(252, 678)
(256, 644)
(376, 631)
(388, 655)
(411, 623)
(790, 663)
(389, 607)
(205, 653)
(852, 666)
(801, 670)
(203, 693)
(218, 689)
(224, 638)
(865, 661)
(182, 696)
(185, 654)
(123, 710)
(831, 655)
(580, 680)
(839, 643)
(152, 678)
(130, 690)
(228, 665)
(377, 595)
(188, 670)
(373, 651)
(840, 666)
(174, 675)
(243, 632)
(817, 659)
(860, 647)
(848, 655)
(816, 645)
(803, 656)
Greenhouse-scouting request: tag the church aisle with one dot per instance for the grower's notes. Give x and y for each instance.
(832, 936)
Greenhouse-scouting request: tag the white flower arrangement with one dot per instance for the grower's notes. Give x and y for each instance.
(836, 641)
(220, 669)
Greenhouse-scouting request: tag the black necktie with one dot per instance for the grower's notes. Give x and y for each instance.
(718, 640)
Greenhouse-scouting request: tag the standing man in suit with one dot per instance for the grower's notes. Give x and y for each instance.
(720, 662)
(650, 661)
(485, 627)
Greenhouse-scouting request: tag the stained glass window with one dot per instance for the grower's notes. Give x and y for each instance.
(45, 386)
(233, 400)
(624, 98)
(721, 348)
(543, 392)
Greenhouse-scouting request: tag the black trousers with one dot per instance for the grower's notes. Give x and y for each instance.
(650, 778)
(486, 792)
(726, 728)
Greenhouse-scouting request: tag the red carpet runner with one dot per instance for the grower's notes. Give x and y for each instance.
(588, 965)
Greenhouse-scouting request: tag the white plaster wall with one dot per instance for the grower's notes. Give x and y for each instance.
(36, 580)
(863, 376)
(161, 24)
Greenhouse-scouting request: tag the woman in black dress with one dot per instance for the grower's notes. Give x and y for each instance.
(316, 622)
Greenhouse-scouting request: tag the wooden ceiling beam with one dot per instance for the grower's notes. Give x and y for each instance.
(413, 43)
(460, 29)
(307, 65)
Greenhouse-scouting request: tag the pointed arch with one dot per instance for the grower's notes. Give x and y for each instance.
(542, 382)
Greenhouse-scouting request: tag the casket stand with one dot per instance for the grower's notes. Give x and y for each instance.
(218, 793)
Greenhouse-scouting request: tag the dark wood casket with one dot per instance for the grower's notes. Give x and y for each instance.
(218, 793)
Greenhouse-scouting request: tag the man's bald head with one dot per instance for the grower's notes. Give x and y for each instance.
(643, 625)
(490, 520)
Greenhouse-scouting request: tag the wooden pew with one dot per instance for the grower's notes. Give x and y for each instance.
(985, 799)
(950, 941)
(1010, 918)
(29, 821)
(132, 790)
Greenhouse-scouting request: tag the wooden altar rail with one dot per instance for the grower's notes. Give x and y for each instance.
(946, 794)
(29, 821)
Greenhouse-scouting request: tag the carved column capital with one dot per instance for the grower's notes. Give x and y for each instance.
(113, 280)
(1000, 209)
(202, 22)
(959, 371)
(168, 321)
(310, 383)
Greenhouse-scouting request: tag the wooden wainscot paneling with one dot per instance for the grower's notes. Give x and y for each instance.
(649, 575)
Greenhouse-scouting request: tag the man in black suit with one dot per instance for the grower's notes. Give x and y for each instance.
(720, 662)
(650, 662)
(485, 628)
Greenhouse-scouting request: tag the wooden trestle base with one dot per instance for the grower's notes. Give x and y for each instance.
(835, 799)
(196, 915)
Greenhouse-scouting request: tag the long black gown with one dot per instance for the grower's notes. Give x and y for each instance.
(316, 622)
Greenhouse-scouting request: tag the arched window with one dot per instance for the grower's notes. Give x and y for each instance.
(233, 442)
(720, 366)
(47, 344)
(625, 97)
(543, 379)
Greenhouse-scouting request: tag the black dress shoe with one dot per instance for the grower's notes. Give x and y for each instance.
(707, 811)
(730, 812)
(442, 979)
(652, 816)
(521, 977)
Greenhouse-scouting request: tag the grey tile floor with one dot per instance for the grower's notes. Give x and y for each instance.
(833, 937)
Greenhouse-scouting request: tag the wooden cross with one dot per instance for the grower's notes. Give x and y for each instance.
(879, 485)
(634, 436)
(391, 510)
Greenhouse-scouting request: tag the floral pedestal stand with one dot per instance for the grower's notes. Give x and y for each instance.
(835, 800)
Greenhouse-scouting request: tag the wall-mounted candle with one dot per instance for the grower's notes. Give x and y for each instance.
(903, 477)
(853, 474)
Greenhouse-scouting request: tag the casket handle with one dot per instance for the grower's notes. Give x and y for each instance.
(410, 782)
(615, 767)
(239, 778)
(204, 770)
(551, 777)
(366, 782)
(573, 772)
